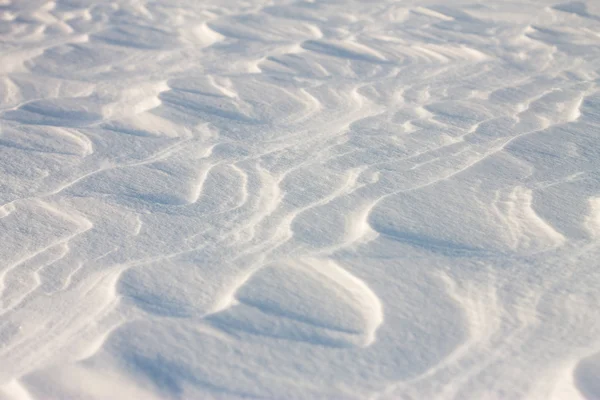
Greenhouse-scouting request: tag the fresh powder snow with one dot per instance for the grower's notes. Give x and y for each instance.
(299, 199)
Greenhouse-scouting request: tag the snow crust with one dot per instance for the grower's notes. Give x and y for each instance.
(299, 199)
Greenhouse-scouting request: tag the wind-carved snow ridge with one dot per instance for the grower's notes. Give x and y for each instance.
(306, 199)
(312, 300)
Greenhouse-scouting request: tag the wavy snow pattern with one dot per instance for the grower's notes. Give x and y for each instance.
(306, 199)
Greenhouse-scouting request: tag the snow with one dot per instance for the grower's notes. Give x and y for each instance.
(299, 199)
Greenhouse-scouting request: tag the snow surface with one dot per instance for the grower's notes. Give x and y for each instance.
(299, 199)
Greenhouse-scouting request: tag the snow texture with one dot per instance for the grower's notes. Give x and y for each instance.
(299, 199)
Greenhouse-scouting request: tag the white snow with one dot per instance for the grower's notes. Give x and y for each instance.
(301, 199)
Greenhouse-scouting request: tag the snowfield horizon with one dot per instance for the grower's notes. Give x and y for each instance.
(299, 199)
